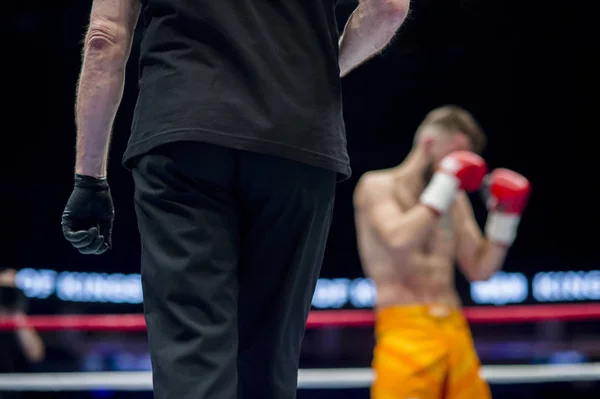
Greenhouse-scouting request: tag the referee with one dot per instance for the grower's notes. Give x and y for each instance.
(237, 143)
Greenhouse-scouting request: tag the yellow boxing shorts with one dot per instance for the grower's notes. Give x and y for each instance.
(425, 352)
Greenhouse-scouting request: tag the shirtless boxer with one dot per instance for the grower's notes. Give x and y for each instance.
(414, 222)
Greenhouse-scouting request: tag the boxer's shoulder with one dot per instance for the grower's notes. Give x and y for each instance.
(372, 186)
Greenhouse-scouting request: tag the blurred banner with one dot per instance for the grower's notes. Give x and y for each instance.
(503, 288)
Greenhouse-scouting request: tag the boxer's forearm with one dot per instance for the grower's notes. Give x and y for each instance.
(487, 260)
(478, 257)
(98, 96)
(368, 30)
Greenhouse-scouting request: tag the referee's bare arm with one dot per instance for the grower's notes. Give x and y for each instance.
(105, 52)
(370, 28)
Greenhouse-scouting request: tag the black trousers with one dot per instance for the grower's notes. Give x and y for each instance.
(232, 246)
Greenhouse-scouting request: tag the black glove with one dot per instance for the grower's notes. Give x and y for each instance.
(88, 217)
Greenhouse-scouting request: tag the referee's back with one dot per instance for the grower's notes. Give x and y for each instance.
(257, 75)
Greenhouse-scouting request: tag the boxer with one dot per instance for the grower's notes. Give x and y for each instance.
(414, 222)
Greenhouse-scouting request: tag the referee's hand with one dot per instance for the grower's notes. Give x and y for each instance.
(88, 217)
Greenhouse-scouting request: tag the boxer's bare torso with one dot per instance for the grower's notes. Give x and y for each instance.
(425, 275)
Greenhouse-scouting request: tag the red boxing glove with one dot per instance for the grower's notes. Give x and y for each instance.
(458, 170)
(508, 195)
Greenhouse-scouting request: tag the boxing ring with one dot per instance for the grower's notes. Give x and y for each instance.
(338, 378)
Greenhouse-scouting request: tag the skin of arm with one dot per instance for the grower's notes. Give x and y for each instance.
(368, 31)
(478, 258)
(106, 50)
(31, 343)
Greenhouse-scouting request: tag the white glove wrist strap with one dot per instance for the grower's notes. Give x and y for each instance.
(502, 227)
(440, 192)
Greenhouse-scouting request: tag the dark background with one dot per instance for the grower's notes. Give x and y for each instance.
(527, 71)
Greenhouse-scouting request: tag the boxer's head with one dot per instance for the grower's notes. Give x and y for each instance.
(447, 129)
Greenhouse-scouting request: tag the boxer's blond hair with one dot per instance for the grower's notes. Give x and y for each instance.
(455, 119)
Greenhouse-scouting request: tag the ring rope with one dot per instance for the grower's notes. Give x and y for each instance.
(319, 319)
(307, 378)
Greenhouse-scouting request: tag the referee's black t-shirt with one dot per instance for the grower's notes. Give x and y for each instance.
(258, 75)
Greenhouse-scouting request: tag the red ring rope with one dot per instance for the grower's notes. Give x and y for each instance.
(319, 319)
